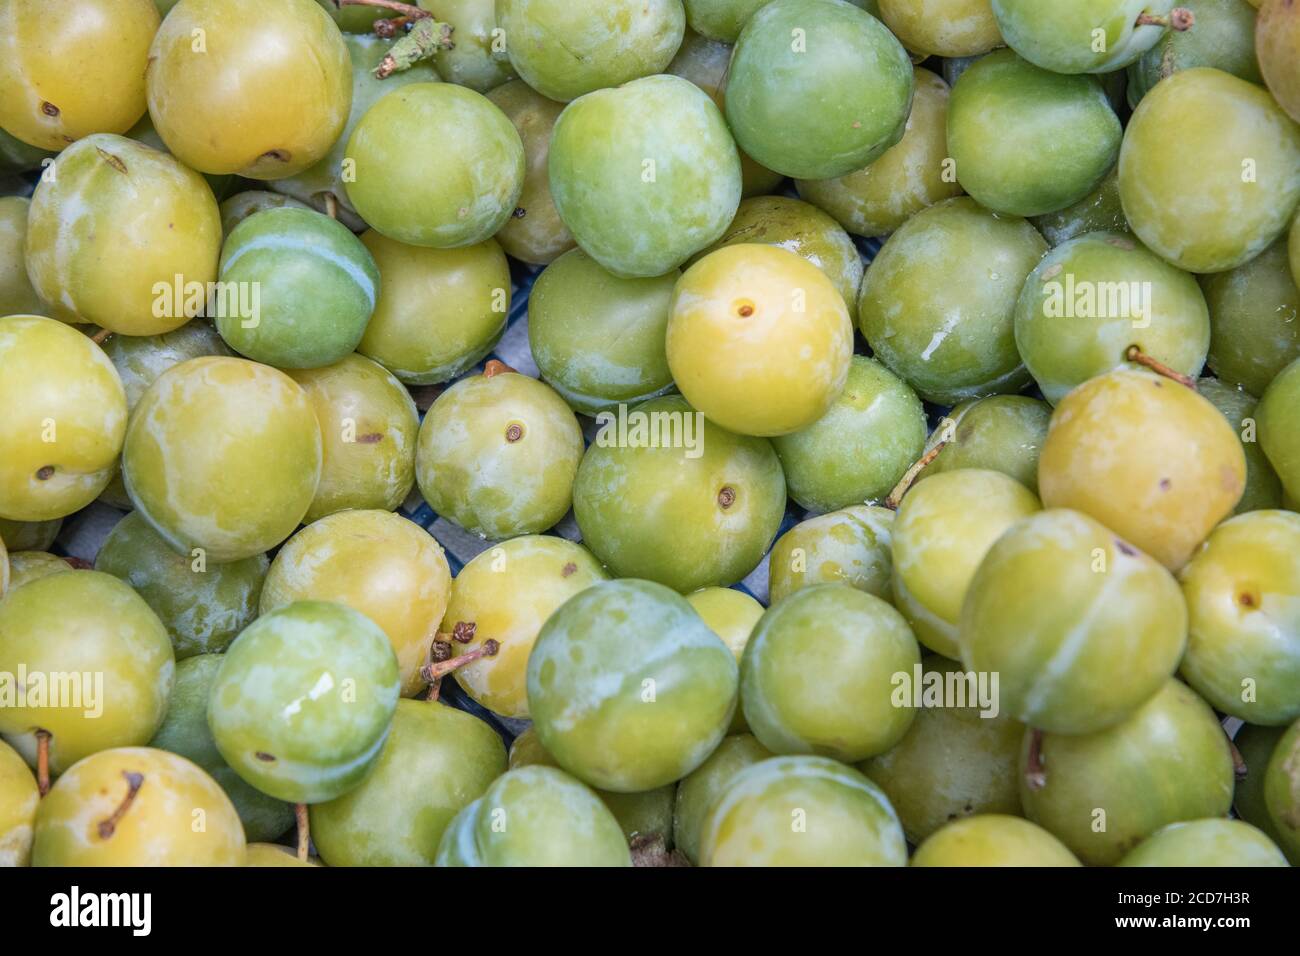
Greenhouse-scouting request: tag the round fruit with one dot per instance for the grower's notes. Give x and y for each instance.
(27, 566)
(136, 806)
(1001, 433)
(1147, 457)
(759, 340)
(1099, 211)
(71, 69)
(1254, 331)
(700, 789)
(1083, 36)
(628, 687)
(303, 701)
(598, 339)
(1237, 198)
(96, 663)
(439, 310)
(380, 564)
(506, 594)
(1277, 42)
(951, 340)
(205, 434)
(351, 19)
(226, 96)
(1279, 432)
(993, 840)
(945, 526)
(1081, 627)
(203, 608)
(123, 236)
(1223, 37)
(140, 359)
(1282, 791)
(801, 811)
(472, 60)
(1263, 488)
(435, 762)
(645, 175)
(1102, 794)
(29, 535)
(249, 203)
(817, 88)
(1206, 843)
(498, 454)
(17, 297)
(731, 614)
(1256, 745)
(695, 515)
(721, 19)
(850, 547)
(368, 426)
(19, 798)
(949, 28)
(471, 166)
(64, 421)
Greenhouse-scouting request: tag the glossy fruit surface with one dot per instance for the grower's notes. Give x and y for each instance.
(140, 359)
(1282, 791)
(1279, 434)
(1091, 298)
(380, 564)
(945, 526)
(1167, 762)
(368, 425)
(97, 631)
(993, 840)
(206, 432)
(598, 339)
(303, 701)
(71, 69)
(1222, 37)
(949, 28)
(506, 594)
(1277, 43)
(801, 811)
(103, 254)
(29, 535)
(628, 687)
(203, 607)
(759, 339)
(1255, 332)
(228, 99)
(498, 455)
(1000, 433)
(1263, 488)
(1081, 626)
(17, 297)
(472, 171)
(1238, 199)
(473, 60)
(850, 547)
(645, 175)
(692, 516)
(185, 732)
(1147, 457)
(1206, 843)
(820, 102)
(951, 340)
(64, 422)
(699, 790)
(1099, 211)
(439, 310)
(435, 762)
(19, 798)
(1008, 122)
(81, 822)
(1083, 36)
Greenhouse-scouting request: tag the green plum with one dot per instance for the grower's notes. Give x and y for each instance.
(852, 547)
(731, 614)
(645, 174)
(1263, 489)
(1277, 42)
(952, 340)
(19, 157)
(1091, 298)
(249, 203)
(1206, 843)
(17, 297)
(19, 798)
(1256, 746)
(1027, 141)
(1282, 791)
(436, 761)
(140, 359)
(721, 19)
(203, 608)
(1223, 37)
(203, 436)
(97, 665)
(993, 839)
(1254, 332)
(817, 88)
(859, 449)
(472, 60)
(1101, 794)
(303, 701)
(628, 687)
(801, 811)
(350, 19)
(1082, 36)
(1237, 199)
(27, 566)
(696, 515)
(471, 167)
(1099, 211)
(599, 339)
(29, 535)
(185, 732)
(699, 790)
(1279, 431)
(948, 28)
(945, 526)
(498, 454)
(1000, 433)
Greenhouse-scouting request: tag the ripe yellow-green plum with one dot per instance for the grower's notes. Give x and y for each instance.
(71, 69)
(111, 229)
(19, 797)
(29, 535)
(27, 566)
(202, 436)
(140, 359)
(759, 340)
(944, 528)
(1147, 457)
(1279, 434)
(1102, 794)
(1206, 843)
(1282, 791)
(137, 806)
(272, 854)
(474, 58)
(853, 547)
(700, 788)
(992, 839)
(1277, 43)
(1082, 36)
(801, 811)
(1080, 626)
(506, 594)
(17, 297)
(1263, 487)
(226, 96)
(730, 614)
(1000, 433)
(84, 660)
(948, 28)
(388, 568)
(1223, 37)
(368, 426)
(1256, 745)
(1254, 332)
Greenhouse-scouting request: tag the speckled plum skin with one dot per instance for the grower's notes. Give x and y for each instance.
(628, 688)
(1060, 36)
(1279, 432)
(993, 839)
(851, 547)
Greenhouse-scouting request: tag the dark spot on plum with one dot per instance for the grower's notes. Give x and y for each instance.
(264, 757)
(727, 496)
(519, 212)
(463, 631)
(374, 438)
(49, 109)
(568, 570)
(1125, 548)
(745, 311)
(514, 433)
(441, 651)
(1248, 599)
(276, 155)
(112, 160)
(1165, 484)
(45, 473)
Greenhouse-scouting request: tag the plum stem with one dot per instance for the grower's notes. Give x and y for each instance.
(304, 830)
(1135, 355)
(1239, 768)
(405, 9)
(439, 652)
(896, 496)
(425, 38)
(439, 669)
(495, 367)
(134, 781)
(331, 206)
(1035, 772)
(1180, 19)
(100, 337)
(43, 761)
(387, 29)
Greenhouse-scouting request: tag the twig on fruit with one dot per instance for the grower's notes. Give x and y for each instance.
(1035, 772)
(425, 38)
(331, 205)
(304, 830)
(494, 367)
(1180, 19)
(100, 337)
(896, 496)
(1135, 355)
(439, 669)
(405, 9)
(134, 781)
(43, 761)
(1239, 768)
(439, 652)
(387, 29)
